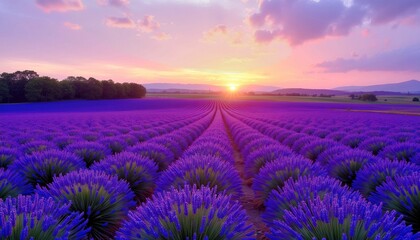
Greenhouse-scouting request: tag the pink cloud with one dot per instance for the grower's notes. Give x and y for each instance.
(161, 36)
(115, 3)
(148, 24)
(72, 26)
(60, 5)
(299, 21)
(120, 22)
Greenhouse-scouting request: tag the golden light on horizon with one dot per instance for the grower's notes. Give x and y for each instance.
(232, 87)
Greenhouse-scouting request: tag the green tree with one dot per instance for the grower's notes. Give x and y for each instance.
(369, 97)
(109, 90)
(42, 89)
(4, 91)
(67, 89)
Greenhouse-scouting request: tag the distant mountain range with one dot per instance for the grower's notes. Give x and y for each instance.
(412, 86)
(179, 87)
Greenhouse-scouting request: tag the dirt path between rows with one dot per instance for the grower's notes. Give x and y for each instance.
(248, 198)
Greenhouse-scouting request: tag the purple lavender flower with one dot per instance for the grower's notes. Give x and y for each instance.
(12, 184)
(37, 146)
(292, 138)
(373, 175)
(305, 188)
(330, 154)
(346, 165)
(189, 213)
(337, 136)
(275, 174)
(210, 149)
(201, 170)
(170, 142)
(353, 140)
(65, 140)
(90, 152)
(35, 217)
(158, 153)
(89, 136)
(402, 136)
(338, 217)
(409, 152)
(7, 156)
(303, 142)
(256, 144)
(114, 144)
(103, 199)
(259, 158)
(315, 148)
(403, 195)
(375, 144)
(140, 172)
(40, 168)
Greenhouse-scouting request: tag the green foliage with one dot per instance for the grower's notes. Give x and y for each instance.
(23, 86)
(368, 97)
(42, 89)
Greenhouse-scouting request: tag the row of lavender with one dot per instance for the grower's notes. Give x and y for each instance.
(311, 184)
(78, 196)
(196, 197)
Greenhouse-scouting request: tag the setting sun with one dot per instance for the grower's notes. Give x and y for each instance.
(232, 87)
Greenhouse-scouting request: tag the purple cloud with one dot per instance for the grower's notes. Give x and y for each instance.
(299, 21)
(120, 22)
(60, 5)
(380, 11)
(148, 24)
(404, 59)
(72, 26)
(115, 3)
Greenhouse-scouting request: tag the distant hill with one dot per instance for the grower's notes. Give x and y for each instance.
(309, 91)
(178, 87)
(412, 86)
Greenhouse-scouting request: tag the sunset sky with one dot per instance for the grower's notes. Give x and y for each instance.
(284, 43)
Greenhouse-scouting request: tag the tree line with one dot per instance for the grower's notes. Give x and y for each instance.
(28, 86)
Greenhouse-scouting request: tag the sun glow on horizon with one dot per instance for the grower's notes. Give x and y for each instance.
(232, 87)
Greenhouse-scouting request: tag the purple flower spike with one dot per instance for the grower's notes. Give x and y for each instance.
(202, 171)
(103, 199)
(403, 195)
(276, 173)
(346, 165)
(7, 156)
(209, 149)
(259, 158)
(40, 168)
(306, 188)
(315, 148)
(373, 175)
(35, 217)
(140, 172)
(338, 217)
(37, 146)
(409, 152)
(90, 152)
(330, 154)
(158, 153)
(376, 144)
(189, 213)
(115, 144)
(12, 184)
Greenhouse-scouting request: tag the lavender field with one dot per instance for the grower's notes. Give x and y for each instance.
(209, 169)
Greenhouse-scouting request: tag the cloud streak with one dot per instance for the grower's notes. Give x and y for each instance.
(120, 22)
(115, 3)
(60, 5)
(403, 59)
(72, 26)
